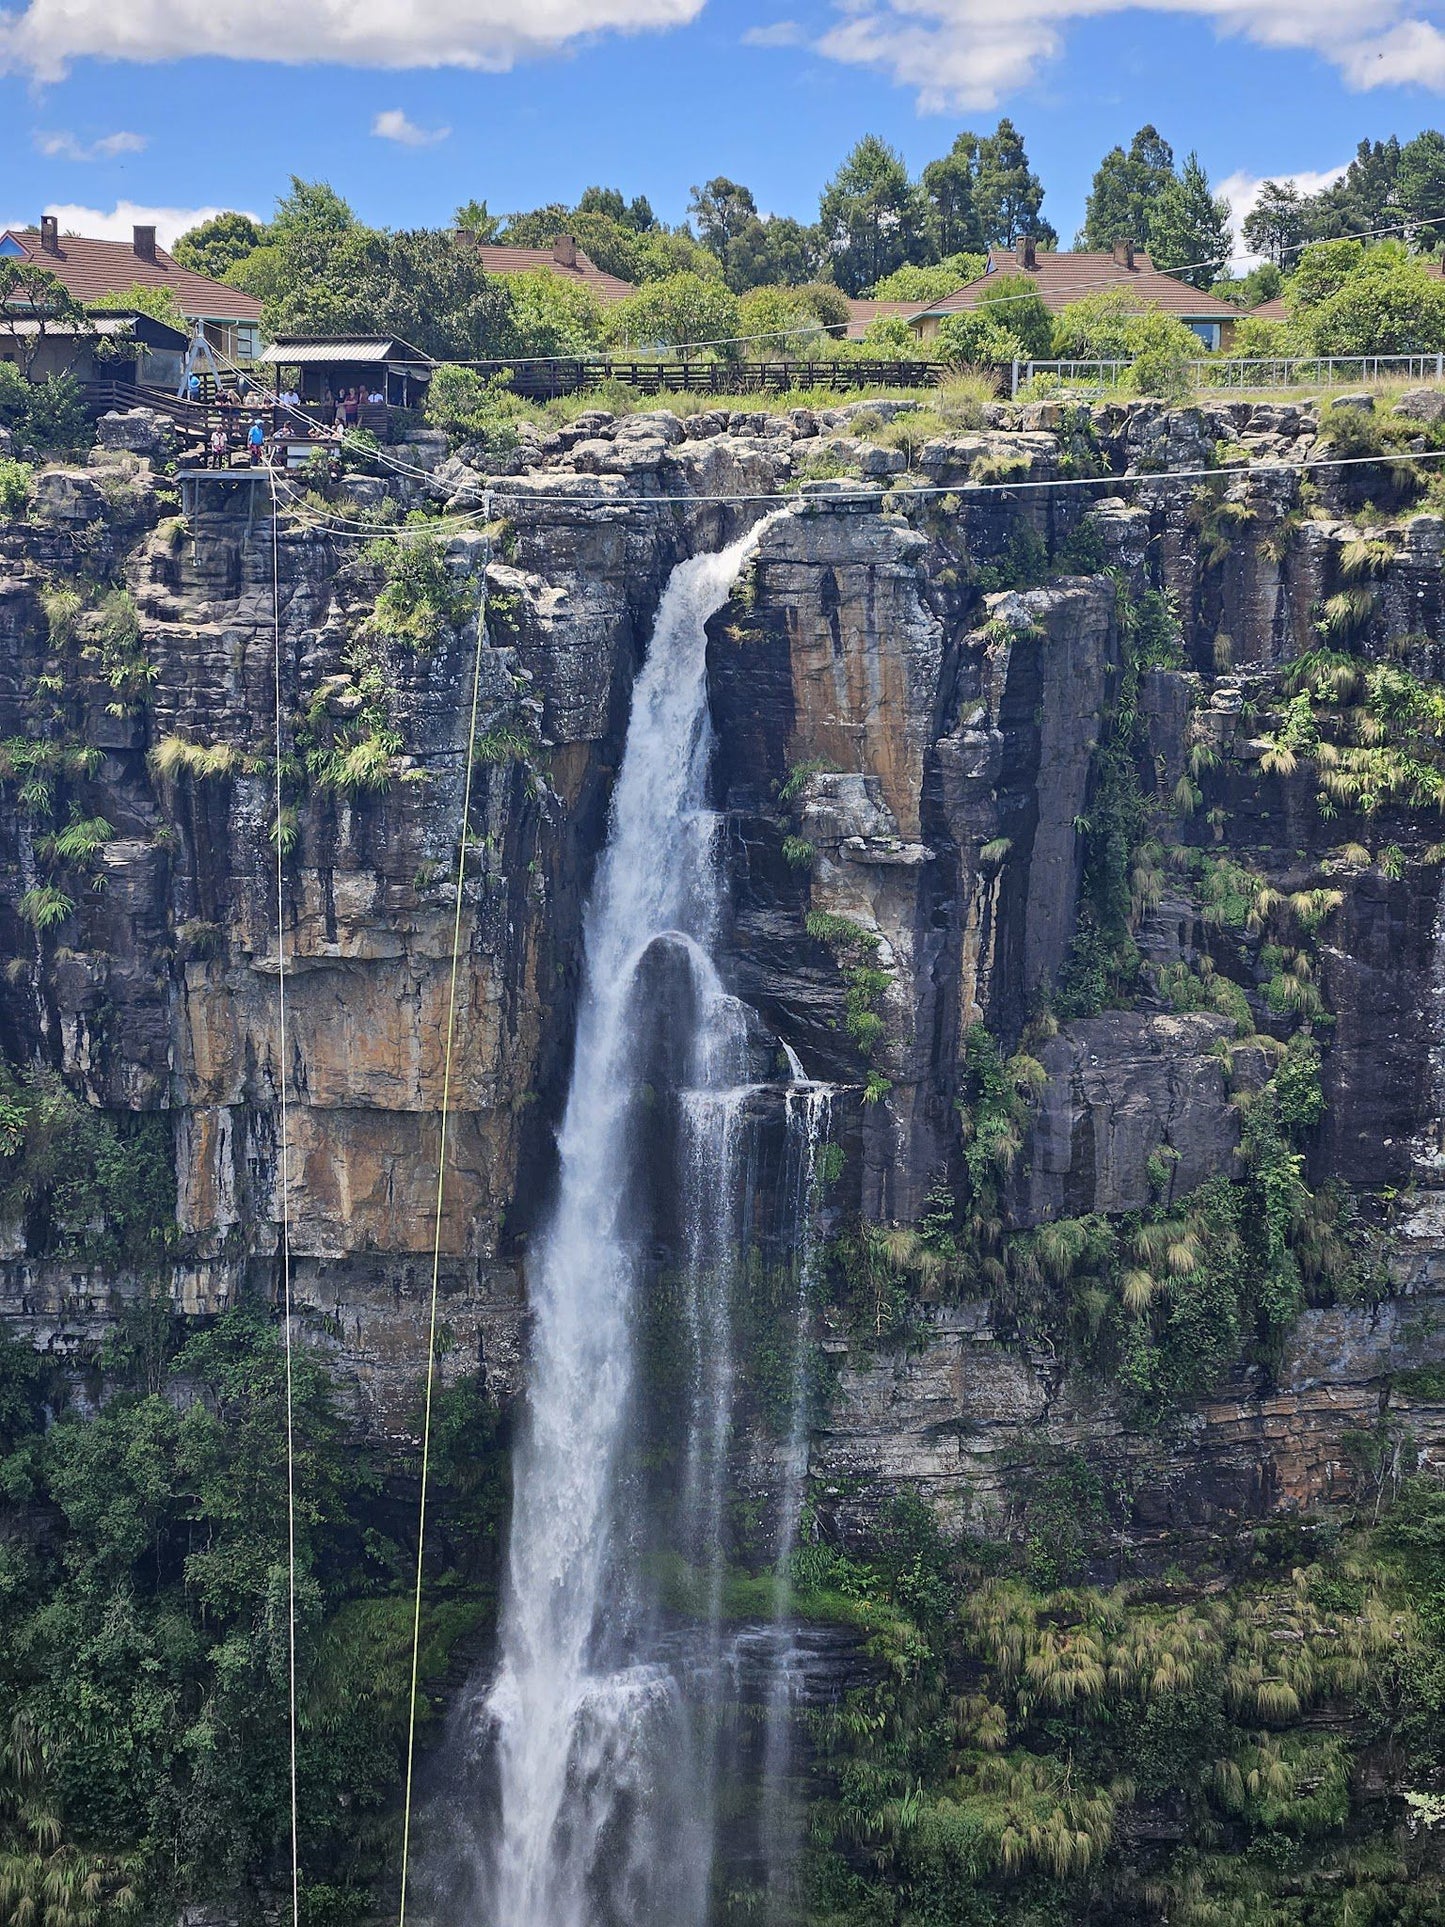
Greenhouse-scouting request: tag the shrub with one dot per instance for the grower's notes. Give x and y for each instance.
(15, 485)
(678, 311)
(1162, 349)
(976, 339)
(473, 408)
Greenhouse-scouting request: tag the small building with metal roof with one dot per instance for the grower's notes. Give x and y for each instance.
(324, 367)
(115, 346)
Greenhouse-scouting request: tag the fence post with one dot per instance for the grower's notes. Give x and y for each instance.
(1014, 389)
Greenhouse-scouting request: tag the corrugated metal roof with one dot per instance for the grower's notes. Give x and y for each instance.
(158, 334)
(293, 352)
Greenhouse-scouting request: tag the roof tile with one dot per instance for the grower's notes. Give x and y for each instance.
(91, 269)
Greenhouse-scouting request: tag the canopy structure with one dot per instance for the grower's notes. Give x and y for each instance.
(325, 365)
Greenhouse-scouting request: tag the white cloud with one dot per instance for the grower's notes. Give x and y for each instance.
(64, 146)
(392, 125)
(969, 53)
(42, 36)
(168, 222)
(1241, 190)
(781, 33)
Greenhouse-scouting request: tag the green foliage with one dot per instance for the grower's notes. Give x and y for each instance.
(43, 906)
(783, 322)
(974, 338)
(855, 950)
(47, 415)
(419, 601)
(216, 246)
(1013, 303)
(141, 298)
(1125, 191)
(144, 1630)
(16, 482)
(93, 1185)
(552, 314)
(930, 283)
(474, 408)
(679, 311)
(870, 217)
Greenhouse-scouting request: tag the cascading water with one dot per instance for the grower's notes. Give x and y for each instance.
(602, 1780)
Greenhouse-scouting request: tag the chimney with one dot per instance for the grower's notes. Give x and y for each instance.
(1124, 253)
(1028, 253)
(50, 233)
(144, 242)
(564, 250)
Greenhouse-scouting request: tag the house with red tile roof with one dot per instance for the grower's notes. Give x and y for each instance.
(563, 258)
(90, 269)
(1062, 278)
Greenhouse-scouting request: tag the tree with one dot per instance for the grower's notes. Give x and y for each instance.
(721, 209)
(1275, 225)
(1007, 193)
(215, 246)
(1161, 348)
(1321, 270)
(636, 214)
(159, 303)
(929, 284)
(472, 218)
(789, 322)
(537, 229)
(1420, 187)
(1125, 190)
(870, 216)
(1391, 304)
(1012, 302)
(682, 311)
(1189, 231)
(1363, 200)
(1096, 326)
(976, 338)
(33, 295)
(779, 250)
(951, 216)
(551, 314)
(419, 285)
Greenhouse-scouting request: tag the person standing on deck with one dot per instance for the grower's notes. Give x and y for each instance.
(256, 441)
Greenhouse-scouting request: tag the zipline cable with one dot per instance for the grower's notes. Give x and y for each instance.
(431, 1350)
(1106, 484)
(278, 838)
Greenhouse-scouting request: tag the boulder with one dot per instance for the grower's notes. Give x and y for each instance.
(138, 431)
(1422, 404)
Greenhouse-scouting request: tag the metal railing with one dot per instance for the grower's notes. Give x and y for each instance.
(1245, 373)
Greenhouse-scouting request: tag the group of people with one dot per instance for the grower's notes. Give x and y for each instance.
(239, 423)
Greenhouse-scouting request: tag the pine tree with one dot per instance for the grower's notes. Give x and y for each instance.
(1125, 190)
(1189, 230)
(1007, 194)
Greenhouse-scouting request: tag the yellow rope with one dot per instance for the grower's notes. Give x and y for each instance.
(285, 1216)
(437, 1237)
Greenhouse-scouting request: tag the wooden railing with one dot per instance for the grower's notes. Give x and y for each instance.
(541, 380)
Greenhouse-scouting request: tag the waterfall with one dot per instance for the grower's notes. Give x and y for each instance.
(602, 1782)
(809, 1114)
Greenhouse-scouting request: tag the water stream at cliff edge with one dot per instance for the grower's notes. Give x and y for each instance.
(602, 1780)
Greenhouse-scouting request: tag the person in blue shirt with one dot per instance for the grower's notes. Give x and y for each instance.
(256, 441)
(193, 386)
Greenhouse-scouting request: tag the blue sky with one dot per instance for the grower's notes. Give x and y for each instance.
(110, 111)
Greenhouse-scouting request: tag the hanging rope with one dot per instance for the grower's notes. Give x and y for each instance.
(278, 839)
(431, 1347)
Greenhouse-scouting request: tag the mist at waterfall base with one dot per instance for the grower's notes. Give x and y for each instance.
(586, 1774)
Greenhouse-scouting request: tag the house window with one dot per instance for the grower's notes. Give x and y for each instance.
(10, 246)
(1208, 333)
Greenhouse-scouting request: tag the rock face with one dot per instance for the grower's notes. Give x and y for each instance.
(916, 693)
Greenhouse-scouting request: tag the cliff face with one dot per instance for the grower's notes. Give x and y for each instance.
(917, 699)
